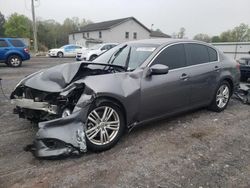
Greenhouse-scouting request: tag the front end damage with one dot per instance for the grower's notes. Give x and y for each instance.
(60, 117)
(60, 137)
(59, 99)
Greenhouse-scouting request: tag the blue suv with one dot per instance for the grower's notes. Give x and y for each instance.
(13, 51)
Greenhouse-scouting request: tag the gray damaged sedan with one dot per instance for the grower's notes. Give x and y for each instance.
(88, 105)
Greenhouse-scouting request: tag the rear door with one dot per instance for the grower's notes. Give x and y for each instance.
(4, 48)
(203, 70)
(167, 93)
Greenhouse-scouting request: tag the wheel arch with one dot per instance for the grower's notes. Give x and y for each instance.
(14, 53)
(117, 102)
(230, 81)
(59, 52)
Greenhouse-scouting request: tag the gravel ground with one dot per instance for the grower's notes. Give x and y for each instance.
(197, 149)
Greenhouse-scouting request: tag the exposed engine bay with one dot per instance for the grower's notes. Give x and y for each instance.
(37, 106)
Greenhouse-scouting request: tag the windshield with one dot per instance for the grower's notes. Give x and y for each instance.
(63, 46)
(96, 47)
(129, 56)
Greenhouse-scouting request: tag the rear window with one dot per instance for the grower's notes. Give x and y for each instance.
(3, 43)
(197, 54)
(17, 43)
(212, 54)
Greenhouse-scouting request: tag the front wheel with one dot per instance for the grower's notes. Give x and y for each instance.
(221, 97)
(93, 57)
(60, 54)
(104, 126)
(14, 61)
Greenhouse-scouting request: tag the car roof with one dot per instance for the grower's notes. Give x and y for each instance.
(161, 41)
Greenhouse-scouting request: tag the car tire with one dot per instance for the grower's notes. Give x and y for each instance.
(221, 97)
(96, 142)
(14, 61)
(92, 57)
(60, 54)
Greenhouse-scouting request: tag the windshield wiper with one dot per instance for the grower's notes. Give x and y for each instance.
(115, 54)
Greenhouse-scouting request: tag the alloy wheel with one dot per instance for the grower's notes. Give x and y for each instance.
(15, 61)
(222, 96)
(103, 124)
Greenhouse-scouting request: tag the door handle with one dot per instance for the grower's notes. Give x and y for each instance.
(184, 76)
(216, 68)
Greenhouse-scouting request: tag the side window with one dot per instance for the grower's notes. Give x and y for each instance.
(17, 43)
(3, 43)
(196, 54)
(212, 54)
(104, 47)
(173, 56)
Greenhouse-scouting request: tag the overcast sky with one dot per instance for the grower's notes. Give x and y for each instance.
(196, 16)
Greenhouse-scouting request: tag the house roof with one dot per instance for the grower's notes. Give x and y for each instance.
(108, 25)
(159, 34)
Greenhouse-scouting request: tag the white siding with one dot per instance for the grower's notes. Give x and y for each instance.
(234, 50)
(115, 34)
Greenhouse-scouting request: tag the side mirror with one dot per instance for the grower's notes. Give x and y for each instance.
(158, 69)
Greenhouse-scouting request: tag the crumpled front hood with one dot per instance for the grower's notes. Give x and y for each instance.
(53, 79)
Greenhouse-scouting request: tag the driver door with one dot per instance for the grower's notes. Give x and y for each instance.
(167, 93)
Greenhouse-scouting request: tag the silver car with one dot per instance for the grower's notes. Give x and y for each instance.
(88, 105)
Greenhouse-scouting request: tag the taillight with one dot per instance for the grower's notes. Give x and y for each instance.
(26, 50)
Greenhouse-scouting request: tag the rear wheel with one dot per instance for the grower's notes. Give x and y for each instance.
(104, 126)
(14, 61)
(221, 97)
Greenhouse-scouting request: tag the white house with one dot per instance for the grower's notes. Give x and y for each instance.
(117, 31)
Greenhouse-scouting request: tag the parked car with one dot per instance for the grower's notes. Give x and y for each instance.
(13, 51)
(65, 51)
(244, 68)
(93, 52)
(88, 105)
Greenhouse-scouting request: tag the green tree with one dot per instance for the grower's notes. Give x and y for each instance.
(18, 26)
(215, 39)
(240, 33)
(202, 37)
(49, 34)
(2, 22)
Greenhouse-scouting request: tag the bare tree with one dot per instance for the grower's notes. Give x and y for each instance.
(181, 33)
(202, 37)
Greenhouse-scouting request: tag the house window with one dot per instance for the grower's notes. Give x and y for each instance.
(100, 34)
(126, 35)
(135, 35)
(83, 35)
(88, 35)
(73, 36)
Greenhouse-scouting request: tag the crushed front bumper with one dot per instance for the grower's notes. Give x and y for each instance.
(31, 104)
(60, 137)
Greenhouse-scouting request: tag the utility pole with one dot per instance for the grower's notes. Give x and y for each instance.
(34, 26)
